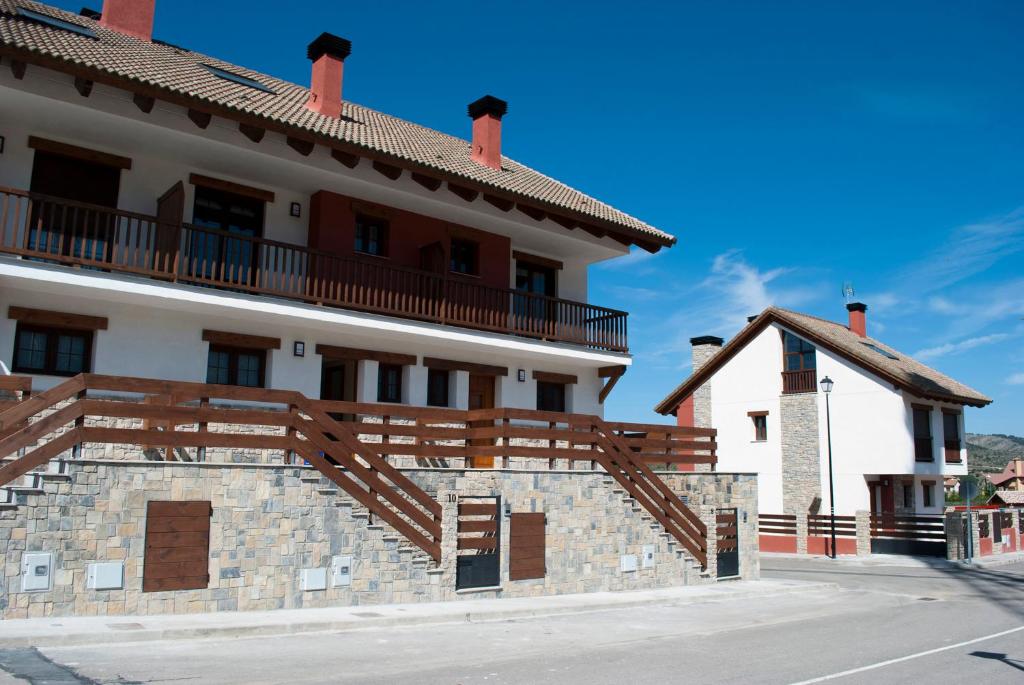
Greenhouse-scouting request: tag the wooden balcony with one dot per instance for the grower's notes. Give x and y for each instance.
(66, 232)
(794, 382)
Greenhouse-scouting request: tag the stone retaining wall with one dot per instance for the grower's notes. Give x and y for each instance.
(271, 521)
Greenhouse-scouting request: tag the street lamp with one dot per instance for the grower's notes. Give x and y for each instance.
(826, 387)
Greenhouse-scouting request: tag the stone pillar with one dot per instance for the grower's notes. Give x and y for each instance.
(703, 349)
(708, 515)
(975, 536)
(801, 452)
(1015, 515)
(801, 533)
(954, 525)
(863, 533)
(449, 544)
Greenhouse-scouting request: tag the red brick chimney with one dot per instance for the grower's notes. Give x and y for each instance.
(328, 53)
(858, 318)
(132, 17)
(486, 114)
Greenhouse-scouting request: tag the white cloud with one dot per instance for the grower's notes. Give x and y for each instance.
(635, 258)
(963, 345)
(1016, 379)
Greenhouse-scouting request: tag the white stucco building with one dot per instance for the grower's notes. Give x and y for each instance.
(167, 214)
(896, 425)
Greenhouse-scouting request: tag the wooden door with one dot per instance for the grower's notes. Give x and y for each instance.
(481, 396)
(177, 546)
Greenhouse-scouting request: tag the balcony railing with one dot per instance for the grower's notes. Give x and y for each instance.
(794, 382)
(66, 232)
(952, 450)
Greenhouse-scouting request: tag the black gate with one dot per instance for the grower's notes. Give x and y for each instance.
(728, 543)
(478, 562)
(908, 534)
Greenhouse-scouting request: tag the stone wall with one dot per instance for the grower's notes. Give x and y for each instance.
(702, 353)
(801, 460)
(270, 521)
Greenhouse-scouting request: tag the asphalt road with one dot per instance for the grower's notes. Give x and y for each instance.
(887, 624)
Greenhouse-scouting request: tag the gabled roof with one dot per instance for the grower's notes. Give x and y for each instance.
(168, 72)
(872, 355)
(1014, 469)
(1013, 497)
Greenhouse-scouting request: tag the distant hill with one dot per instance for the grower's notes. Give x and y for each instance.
(989, 453)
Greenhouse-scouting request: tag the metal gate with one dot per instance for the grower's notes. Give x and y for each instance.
(728, 543)
(908, 534)
(478, 563)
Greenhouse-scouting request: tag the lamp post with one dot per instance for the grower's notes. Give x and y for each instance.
(826, 387)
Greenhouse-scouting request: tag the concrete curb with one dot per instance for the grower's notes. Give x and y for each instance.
(902, 560)
(76, 631)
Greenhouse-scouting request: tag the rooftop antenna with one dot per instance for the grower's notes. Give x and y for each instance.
(848, 291)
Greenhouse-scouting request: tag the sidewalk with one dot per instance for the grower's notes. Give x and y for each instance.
(992, 561)
(44, 632)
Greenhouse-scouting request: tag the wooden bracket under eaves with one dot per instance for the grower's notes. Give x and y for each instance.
(613, 374)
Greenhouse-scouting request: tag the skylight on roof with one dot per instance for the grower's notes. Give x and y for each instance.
(880, 351)
(54, 22)
(236, 78)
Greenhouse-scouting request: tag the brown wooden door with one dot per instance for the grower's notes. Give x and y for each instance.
(170, 212)
(177, 546)
(481, 396)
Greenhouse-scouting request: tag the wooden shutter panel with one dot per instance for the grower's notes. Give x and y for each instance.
(526, 547)
(177, 546)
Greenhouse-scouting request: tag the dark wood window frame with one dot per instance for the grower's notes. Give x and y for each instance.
(923, 445)
(952, 440)
(365, 225)
(51, 350)
(927, 493)
(551, 396)
(387, 391)
(464, 257)
(233, 353)
(438, 382)
(760, 420)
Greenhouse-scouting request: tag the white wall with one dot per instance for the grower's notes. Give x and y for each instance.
(871, 425)
(164, 342)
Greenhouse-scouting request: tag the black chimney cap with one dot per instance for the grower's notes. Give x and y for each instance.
(329, 44)
(751, 318)
(89, 13)
(856, 307)
(707, 340)
(488, 104)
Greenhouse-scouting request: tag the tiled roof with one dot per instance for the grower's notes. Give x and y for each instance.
(1014, 469)
(868, 353)
(1009, 497)
(180, 72)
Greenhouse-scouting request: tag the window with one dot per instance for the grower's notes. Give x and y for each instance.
(760, 419)
(237, 78)
(922, 433)
(550, 396)
(798, 354)
(927, 487)
(465, 257)
(236, 366)
(879, 350)
(52, 351)
(54, 22)
(371, 235)
(216, 255)
(389, 383)
(437, 388)
(908, 495)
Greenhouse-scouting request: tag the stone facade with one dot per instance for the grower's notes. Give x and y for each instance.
(270, 521)
(801, 453)
(702, 353)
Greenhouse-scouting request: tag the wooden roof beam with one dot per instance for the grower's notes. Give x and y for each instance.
(428, 182)
(145, 103)
(467, 194)
(532, 212)
(346, 158)
(83, 86)
(200, 119)
(499, 202)
(253, 133)
(388, 170)
(300, 145)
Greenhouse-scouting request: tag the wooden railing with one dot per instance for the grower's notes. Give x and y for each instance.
(66, 232)
(908, 526)
(794, 382)
(356, 445)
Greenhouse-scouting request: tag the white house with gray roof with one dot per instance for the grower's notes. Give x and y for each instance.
(896, 425)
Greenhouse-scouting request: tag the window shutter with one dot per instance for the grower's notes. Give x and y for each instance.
(177, 553)
(526, 547)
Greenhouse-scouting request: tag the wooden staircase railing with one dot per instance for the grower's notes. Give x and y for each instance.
(319, 439)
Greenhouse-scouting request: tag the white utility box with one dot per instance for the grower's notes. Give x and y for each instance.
(648, 561)
(36, 571)
(105, 575)
(627, 563)
(341, 571)
(311, 579)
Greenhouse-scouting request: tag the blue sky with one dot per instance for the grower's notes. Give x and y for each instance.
(791, 146)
